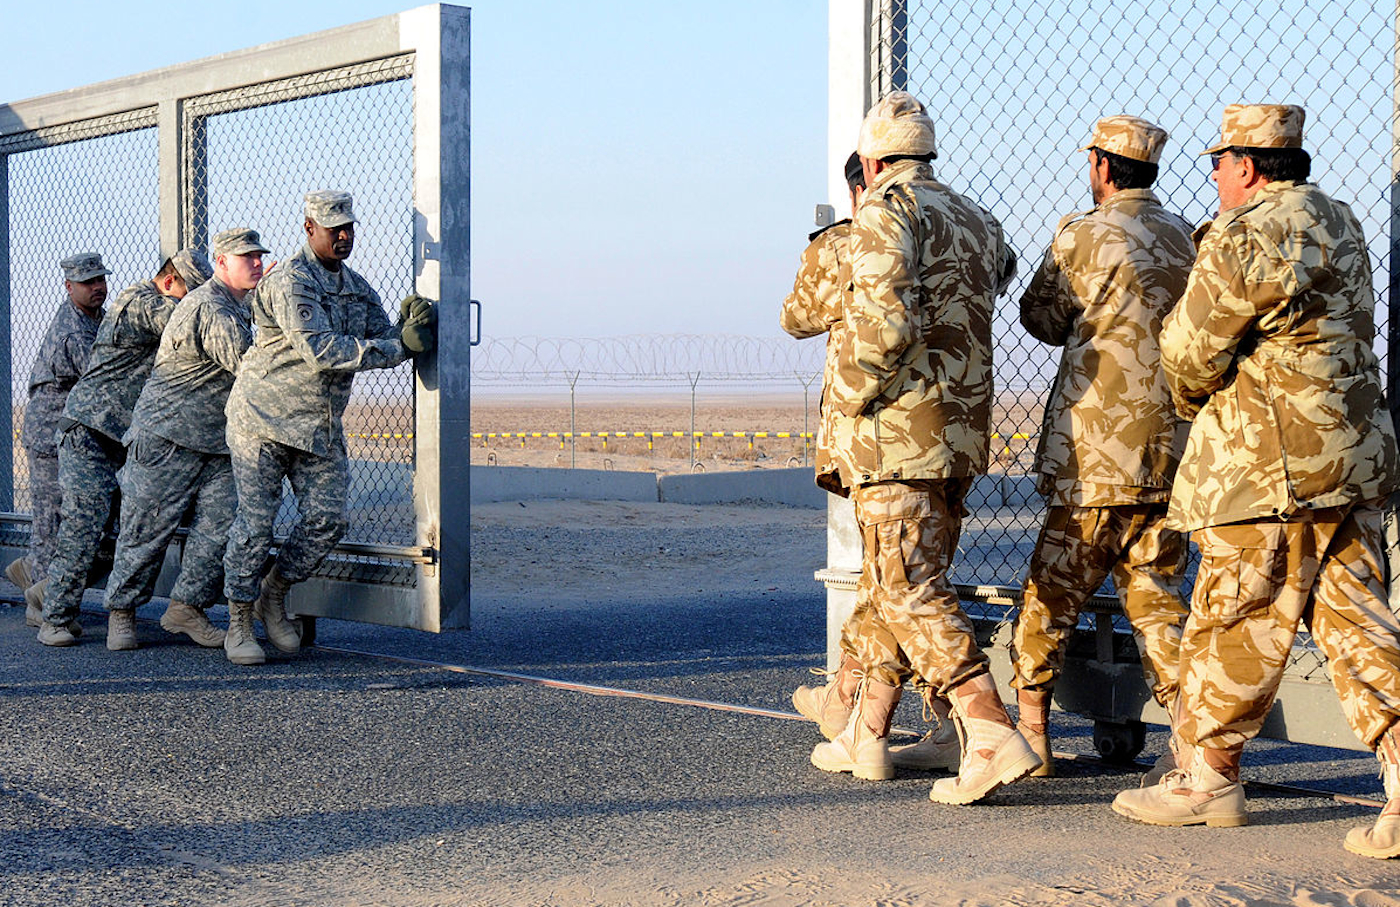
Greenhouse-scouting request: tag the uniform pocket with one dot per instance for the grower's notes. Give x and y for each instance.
(1241, 570)
(151, 450)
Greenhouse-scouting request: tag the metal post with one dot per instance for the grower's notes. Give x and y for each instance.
(441, 37)
(847, 91)
(806, 442)
(694, 441)
(170, 131)
(573, 430)
(7, 463)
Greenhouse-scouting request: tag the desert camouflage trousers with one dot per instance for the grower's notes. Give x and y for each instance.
(160, 481)
(46, 497)
(907, 616)
(88, 462)
(1077, 549)
(320, 485)
(1258, 582)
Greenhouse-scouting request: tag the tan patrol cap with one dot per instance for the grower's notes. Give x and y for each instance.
(237, 241)
(1130, 137)
(83, 267)
(1260, 126)
(897, 124)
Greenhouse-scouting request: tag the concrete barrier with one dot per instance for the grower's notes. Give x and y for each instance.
(522, 483)
(778, 486)
(525, 483)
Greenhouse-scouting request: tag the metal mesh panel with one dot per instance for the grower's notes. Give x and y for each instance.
(1015, 86)
(85, 188)
(255, 153)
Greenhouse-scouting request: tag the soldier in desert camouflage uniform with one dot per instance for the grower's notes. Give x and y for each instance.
(319, 323)
(912, 393)
(96, 418)
(62, 356)
(1289, 460)
(1110, 440)
(814, 307)
(176, 454)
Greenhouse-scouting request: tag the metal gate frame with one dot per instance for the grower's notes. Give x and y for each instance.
(426, 586)
(1102, 677)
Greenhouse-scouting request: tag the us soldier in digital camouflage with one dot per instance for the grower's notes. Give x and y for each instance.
(912, 394)
(1289, 460)
(96, 418)
(176, 454)
(1110, 439)
(816, 306)
(318, 324)
(62, 356)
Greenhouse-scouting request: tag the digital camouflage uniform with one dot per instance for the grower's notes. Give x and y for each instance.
(1289, 459)
(315, 330)
(63, 355)
(1110, 439)
(176, 453)
(97, 416)
(911, 398)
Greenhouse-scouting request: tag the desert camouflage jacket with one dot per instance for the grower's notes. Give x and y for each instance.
(316, 329)
(1110, 434)
(912, 389)
(121, 360)
(199, 354)
(1271, 350)
(62, 358)
(813, 308)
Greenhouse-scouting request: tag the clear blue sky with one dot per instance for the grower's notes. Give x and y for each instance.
(637, 167)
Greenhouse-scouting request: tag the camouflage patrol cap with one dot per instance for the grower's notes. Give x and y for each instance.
(237, 241)
(193, 268)
(83, 267)
(328, 208)
(1130, 137)
(898, 124)
(1260, 126)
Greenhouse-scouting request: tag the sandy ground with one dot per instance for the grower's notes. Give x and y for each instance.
(167, 776)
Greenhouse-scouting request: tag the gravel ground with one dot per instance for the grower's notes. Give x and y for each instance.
(169, 776)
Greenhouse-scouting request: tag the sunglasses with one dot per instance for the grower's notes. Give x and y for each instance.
(1215, 160)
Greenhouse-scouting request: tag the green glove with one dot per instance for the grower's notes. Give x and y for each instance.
(410, 302)
(419, 331)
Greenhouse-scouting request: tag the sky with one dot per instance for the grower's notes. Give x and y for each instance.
(637, 168)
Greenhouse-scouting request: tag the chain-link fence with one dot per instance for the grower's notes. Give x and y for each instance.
(265, 146)
(1014, 88)
(84, 188)
(250, 154)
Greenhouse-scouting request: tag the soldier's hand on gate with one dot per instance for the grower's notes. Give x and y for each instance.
(419, 331)
(410, 302)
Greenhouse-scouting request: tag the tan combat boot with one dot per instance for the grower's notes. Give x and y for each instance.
(1206, 792)
(34, 603)
(994, 754)
(180, 617)
(1168, 760)
(939, 749)
(863, 747)
(18, 572)
(271, 609)
(58, 635)
(239, 644)
(830, 705)
(121, 630)
(1382, 841)
(1033, 723)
